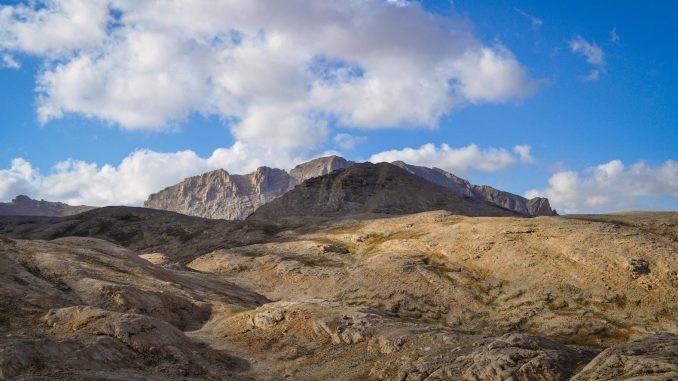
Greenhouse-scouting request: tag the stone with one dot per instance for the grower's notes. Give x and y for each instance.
(652, 358)
(25, 206)
(524, 357)
(534, 207)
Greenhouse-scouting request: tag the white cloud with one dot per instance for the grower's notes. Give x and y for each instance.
(130, 182)
(348, 141)
(144, 171)
(609, 186)
(10, 62)
(524, 153)
(17, 179)
(536, 21)
(594, 56)
(460, 161)
(279, 72)
(53, 27)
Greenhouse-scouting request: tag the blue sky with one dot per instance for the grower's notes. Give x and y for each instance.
(626, 116)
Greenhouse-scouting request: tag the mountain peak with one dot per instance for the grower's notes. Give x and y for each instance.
(318, 167)
(367, 188)
(218, 194)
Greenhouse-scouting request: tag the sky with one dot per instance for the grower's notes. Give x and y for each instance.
(106, 101)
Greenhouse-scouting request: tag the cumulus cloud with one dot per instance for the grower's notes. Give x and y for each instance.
(144, 171)
(594, 56)
(53, 27)
(460, 161)
(131, 181)
(17, 179)
(609, 186)
(281, 74)
(277, 72)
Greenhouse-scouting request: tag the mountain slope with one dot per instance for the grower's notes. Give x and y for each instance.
(433, 296)
(372, 188)
(218, 194)
(25, 206)
(537, 206)
(318, 167)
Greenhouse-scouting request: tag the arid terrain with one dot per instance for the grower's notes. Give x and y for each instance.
(134, 294)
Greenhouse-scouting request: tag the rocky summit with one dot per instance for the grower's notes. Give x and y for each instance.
(367, 188)
(537, 206)
(317, 167)
(219, 194)
(25, 206)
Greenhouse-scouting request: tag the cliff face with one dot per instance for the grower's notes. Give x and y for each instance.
(218, 194)
(317, 167)
(26, 206)
(535, 207)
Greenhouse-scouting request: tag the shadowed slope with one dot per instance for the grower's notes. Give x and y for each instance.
(368, 188)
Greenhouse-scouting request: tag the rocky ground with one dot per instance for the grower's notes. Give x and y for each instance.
(125, 293)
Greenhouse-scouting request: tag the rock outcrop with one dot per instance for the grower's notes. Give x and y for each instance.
(366, 188)
(431, 296)
(651, 358)
(25, 206)
(517, 356)
(537, 206)
(317, 167)
(218, 194)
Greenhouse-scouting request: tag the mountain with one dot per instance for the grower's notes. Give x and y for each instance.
(318, 167)
(25, 206)
(537, 206)
(372, 188)
(218, 194)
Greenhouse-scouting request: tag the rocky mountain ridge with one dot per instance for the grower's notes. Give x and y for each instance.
(537, 206)
(25, 206)
(218, 194)
(367, 188)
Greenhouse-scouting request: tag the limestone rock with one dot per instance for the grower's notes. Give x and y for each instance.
(371, 188)
(25, 206)
(653, 358)
(432, 296)
(535, 207)
(218, 194)
(317, 167)
(95, 343)
(524, 357)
